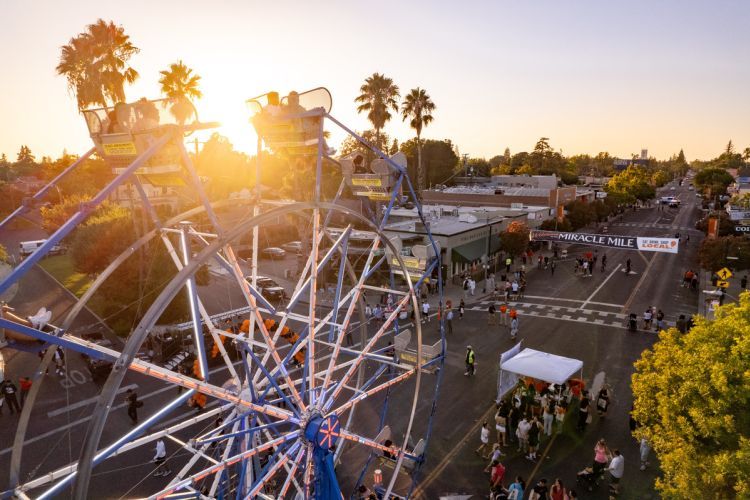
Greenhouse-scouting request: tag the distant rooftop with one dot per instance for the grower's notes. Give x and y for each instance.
(499, 189)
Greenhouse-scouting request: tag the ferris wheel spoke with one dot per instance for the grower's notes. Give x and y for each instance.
(379, 388)
(224, 464)
(291, 473)
(203, 313)
(355, 293)
(270, 342)
(366, 349)
(272, 380)
(273, 468)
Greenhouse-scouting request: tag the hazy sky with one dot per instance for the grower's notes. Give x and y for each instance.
(590, 75)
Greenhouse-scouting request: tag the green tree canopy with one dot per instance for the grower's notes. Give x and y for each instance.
(438, 157)
(630, 185)
(691, 394)
(713, 180)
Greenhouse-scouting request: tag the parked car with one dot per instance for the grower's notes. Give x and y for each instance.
(273, 253)
(26, 248)
(292, 246)
(267, 287)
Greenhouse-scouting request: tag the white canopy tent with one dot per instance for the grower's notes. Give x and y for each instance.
(543, 366)
(535, 364)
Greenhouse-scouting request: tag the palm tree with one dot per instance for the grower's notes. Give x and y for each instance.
(181, 84)
(418, 108)
(95, 64)
(378, 96)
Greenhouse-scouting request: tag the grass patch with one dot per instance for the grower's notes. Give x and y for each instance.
(61, 268)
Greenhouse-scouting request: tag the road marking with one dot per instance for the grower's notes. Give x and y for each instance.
(85, 402)
(599, 287)
(419, 491)
(638, 285)
(571, 300)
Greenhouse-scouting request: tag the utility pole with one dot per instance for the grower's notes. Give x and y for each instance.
(466, 163)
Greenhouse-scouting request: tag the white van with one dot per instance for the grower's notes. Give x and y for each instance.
(26, 248)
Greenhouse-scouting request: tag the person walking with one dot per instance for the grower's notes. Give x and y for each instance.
(461, 309)
(484, 437)
(495, 456)
(513, 325)
(601, 457)
(604, 263)
(627, 267)
(449, 321)
(501, 425)
(644, 449)
(131, 399)
(539, 262)
(491, 319)
(548, 417)
(522, 433)
(508, 262)
(583, 411)
(472, 286)
(160, 459)
(557, 492)
(552, 267)
(496, 475)
(425, 312)
(540, 491)
(470, 361)
(660, 325)
(602, 401)
(648, 317)
(25, 384)
(743, 282)
(9, 391)
(616, 470)
(534, 430)
(503, 314)
(515, 490)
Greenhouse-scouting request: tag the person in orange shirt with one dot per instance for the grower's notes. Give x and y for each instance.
(503, 314)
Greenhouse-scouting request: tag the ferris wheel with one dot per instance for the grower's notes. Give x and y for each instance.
(311, 375)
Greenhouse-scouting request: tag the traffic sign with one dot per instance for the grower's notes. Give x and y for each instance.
(724, 274)
(722, 284)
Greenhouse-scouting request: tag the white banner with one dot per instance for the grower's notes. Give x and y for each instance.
(669, 245)
(506, 380)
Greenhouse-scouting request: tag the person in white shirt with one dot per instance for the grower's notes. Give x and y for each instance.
(616, 470)
(425, 312)
(522, 432)
(472, 286)
(484, 436)
(160, 459)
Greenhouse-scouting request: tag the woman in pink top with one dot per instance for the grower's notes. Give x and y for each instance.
(600, 456)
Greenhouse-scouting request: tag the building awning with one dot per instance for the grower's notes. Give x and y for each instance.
(470, 251)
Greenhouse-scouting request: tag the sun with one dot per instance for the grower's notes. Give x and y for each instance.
(227, 106)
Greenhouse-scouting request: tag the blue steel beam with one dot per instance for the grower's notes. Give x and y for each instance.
(43, 192)
(109, 450)
(78, 217)
(339, 285)
(66, 341)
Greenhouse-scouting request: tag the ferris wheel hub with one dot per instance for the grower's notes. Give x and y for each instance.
(322, 432)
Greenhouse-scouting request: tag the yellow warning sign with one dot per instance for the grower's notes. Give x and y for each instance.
(120, 149)
(359, 181)
(724, 274)
(722, 284)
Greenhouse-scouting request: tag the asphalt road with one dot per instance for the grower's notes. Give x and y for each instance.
(563, 314)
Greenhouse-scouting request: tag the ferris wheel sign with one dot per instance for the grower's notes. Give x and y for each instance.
(647, 244)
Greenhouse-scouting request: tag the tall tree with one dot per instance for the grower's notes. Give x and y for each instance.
(181, 84)
(95, 64)
(417, 108)
(378, 97)
(690, 394)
